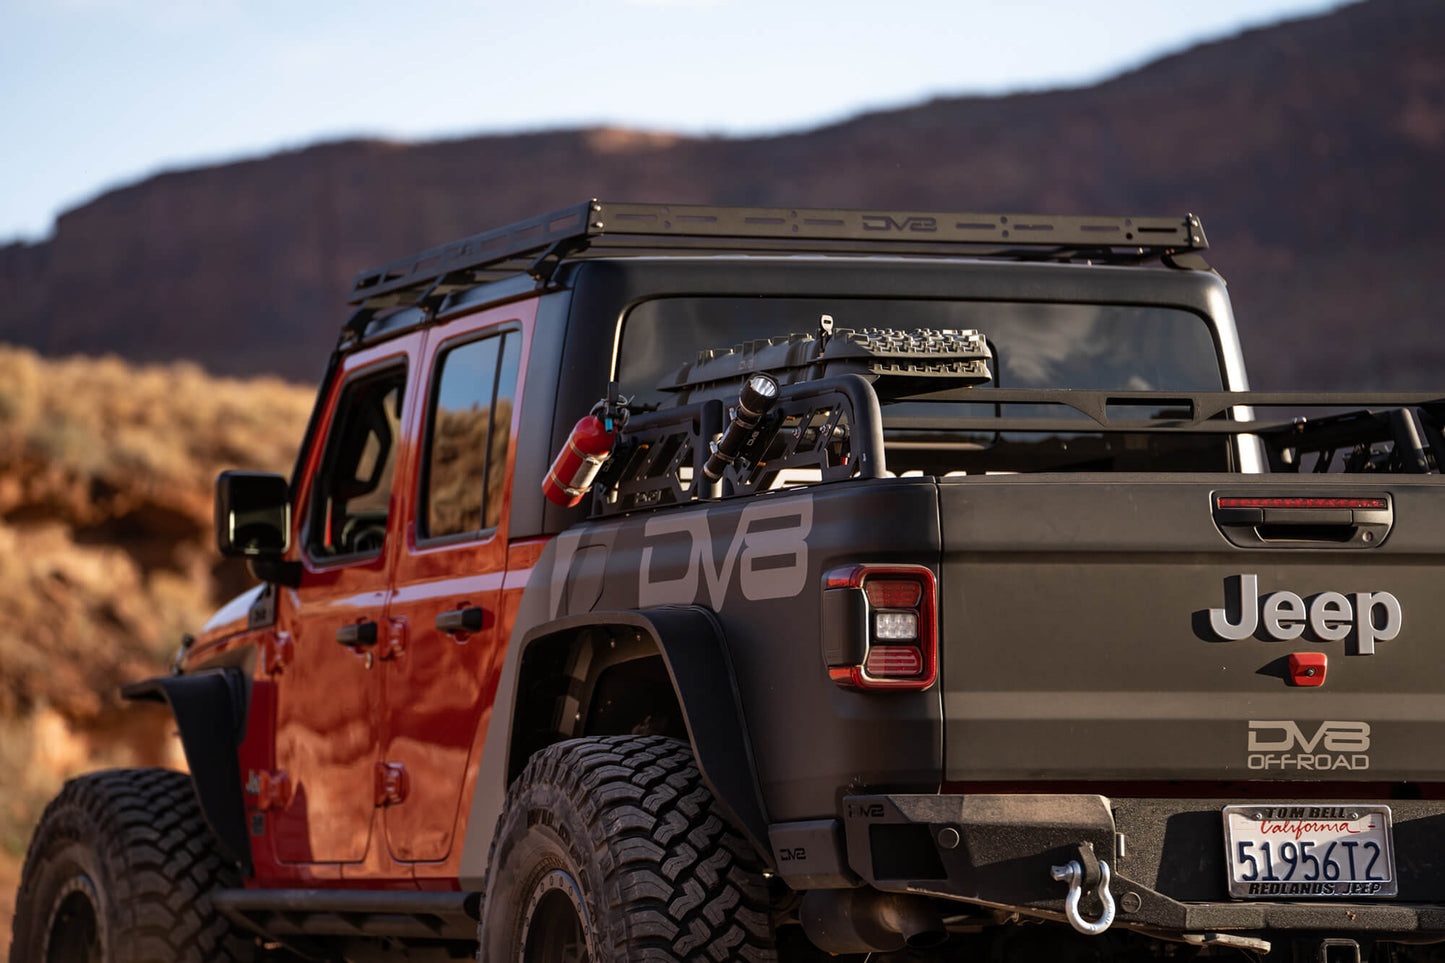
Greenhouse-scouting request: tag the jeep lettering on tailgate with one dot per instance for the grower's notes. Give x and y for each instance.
(1375, 616)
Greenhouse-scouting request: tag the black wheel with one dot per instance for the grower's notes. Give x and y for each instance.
(120, 870)
(611, 849)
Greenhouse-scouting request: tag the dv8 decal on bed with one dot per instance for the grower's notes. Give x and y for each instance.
(767, 553)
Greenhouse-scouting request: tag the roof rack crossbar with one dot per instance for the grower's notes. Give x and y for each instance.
(535, 234)
(669, 227)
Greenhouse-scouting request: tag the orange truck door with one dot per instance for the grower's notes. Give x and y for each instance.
(328, 698)
(448, 580)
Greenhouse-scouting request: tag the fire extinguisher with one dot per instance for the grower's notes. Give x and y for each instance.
(580, 459)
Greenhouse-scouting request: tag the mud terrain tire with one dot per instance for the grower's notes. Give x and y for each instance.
(120, 870)
(611, 849)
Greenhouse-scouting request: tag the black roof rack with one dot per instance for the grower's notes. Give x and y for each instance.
(595, 227)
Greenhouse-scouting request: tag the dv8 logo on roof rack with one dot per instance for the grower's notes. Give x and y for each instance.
(886, 222)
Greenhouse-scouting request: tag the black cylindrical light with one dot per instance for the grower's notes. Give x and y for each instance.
(756, 399)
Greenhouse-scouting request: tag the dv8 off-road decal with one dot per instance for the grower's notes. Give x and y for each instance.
(1285, 744)
(767, 553)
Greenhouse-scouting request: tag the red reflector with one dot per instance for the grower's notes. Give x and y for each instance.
(893, 660)
(1361, 503)
(893, 593)
(1308, 668)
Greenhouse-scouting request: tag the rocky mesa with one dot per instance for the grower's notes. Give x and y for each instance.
(1312, 150)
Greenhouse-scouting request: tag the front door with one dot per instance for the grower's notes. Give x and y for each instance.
(448, 589)
(329, 699)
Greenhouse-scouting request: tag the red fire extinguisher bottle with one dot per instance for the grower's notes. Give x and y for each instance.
(577, 464)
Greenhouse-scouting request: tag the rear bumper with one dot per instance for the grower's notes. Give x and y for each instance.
(1166, 857)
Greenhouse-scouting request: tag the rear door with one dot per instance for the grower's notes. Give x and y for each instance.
(448, 580)
(1141, 628)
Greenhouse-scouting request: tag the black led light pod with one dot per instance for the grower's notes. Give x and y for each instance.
(756, 399)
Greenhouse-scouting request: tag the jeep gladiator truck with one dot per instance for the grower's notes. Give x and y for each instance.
(914, 585)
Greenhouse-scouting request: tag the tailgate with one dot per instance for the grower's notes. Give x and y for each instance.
(1093, 628)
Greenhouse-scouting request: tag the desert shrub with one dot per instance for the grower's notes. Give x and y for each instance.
(106, 472)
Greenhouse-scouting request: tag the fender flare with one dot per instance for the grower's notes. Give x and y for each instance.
(210, 709)
(691, 643)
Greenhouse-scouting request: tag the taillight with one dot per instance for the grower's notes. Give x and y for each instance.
(892, 593)
(880, 627)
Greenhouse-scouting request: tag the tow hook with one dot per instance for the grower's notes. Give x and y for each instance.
(1073, 874)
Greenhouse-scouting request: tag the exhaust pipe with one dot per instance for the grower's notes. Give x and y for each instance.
(915, 919)
(867, 921)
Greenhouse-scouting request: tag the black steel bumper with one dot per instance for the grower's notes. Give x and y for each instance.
(1166, 858)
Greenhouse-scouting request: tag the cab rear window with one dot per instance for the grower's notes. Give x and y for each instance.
(1035, 345)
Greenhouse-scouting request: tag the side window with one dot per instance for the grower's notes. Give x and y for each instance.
(353, 491)
(468, 435)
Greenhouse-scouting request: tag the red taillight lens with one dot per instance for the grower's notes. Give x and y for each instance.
(892, 593)
(893, 660)
(882, 633)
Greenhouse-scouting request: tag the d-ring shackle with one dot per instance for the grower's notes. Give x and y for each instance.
(1073, 874)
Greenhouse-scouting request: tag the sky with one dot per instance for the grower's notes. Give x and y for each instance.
(96, 94)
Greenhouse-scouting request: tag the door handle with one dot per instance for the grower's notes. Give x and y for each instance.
(361, 634)
(1304, 520)
(462, 620)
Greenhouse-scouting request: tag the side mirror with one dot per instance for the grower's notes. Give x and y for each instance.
(253, 514)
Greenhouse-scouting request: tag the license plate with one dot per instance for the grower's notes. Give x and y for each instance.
(1302, 851)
